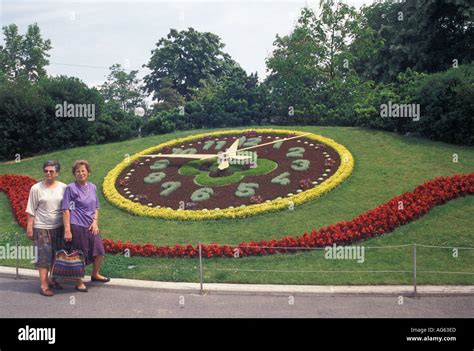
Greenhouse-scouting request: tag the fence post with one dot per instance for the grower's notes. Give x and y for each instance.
(17, 256)
(414, 269)
(200, 270)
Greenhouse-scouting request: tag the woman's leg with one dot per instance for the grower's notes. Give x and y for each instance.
(42, 238)
(96, 267)
(43, 273)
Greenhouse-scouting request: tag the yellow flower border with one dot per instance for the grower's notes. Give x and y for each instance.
(342, 173)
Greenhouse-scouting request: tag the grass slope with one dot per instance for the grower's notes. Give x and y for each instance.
(385, 165)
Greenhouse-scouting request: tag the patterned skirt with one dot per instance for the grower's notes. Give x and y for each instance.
(91, 245)
(48, 241)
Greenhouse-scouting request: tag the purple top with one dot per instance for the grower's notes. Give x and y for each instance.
(82, 201)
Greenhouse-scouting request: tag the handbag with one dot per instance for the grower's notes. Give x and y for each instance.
(69, 264)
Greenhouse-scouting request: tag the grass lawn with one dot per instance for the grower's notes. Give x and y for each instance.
(386, 165)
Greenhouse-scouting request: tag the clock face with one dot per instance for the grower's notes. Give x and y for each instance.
(268, 169)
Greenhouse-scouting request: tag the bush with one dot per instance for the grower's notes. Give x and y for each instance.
(30, 126)
(447, 105)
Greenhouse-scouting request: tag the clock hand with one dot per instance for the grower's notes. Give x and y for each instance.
(195, 156)
(274, 142)
(233, 148)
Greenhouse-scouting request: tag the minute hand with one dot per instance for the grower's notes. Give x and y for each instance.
(273, 142)
(192, 156)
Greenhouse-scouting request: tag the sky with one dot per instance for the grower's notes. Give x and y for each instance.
(90, 36)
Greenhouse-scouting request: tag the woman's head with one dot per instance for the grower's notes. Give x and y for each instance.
(51, 169)
(81, 170)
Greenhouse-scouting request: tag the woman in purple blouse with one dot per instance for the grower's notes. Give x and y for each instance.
(81, 215)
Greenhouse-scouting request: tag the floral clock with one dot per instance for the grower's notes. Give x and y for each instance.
(228, 174)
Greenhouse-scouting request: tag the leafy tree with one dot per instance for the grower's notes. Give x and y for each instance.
(426, 36)
(24, 55)
(184, 58)
(308, 62)
(123, 88)
(168, 97)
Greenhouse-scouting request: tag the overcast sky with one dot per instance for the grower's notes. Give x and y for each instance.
(98, 34)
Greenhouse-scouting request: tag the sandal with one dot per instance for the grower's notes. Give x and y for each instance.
(55, 285)
(102, 280)
(82, 289)
(46, 292)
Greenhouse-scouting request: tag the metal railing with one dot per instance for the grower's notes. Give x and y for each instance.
(201, 268)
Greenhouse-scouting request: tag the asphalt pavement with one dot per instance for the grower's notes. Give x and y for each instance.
(21, 298)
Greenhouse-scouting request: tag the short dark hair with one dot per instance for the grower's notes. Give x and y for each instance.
(52, 163)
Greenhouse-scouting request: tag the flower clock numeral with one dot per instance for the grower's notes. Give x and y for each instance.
(169, 188)
(246, 189)
(202, 194)
(220, 144)
(246, 142)
(209, 143)
(154, 177)
(282, 179)
(252, 142)
(295, 152)
(177, 150)
(300, 165)
(159, 165)
(278, 145)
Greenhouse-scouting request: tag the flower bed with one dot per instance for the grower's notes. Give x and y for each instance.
(17, 188)
(383, 219)
(113, 195)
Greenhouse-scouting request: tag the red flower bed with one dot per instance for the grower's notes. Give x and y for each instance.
(17, 188)
(378, 221)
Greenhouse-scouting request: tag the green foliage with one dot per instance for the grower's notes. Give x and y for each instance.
(282, 179)
(300, 165)
(447, 101)
(123, 88)
(246, 189)
(29, 123)
(159, 165)
(169, 188)
(184, 58)
(295, 152)
(154, 177)
(192, 168)
(24, 55)
(202, 194)
(233, 99)
(423, 35)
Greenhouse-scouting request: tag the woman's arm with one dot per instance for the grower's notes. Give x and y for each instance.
(94, 227)
(67, 225)
(29, 226)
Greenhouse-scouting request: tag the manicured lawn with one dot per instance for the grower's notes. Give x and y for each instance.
(385, 165)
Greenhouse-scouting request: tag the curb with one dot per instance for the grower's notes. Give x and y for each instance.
(268, 289)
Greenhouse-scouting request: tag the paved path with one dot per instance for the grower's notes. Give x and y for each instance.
(20, 298)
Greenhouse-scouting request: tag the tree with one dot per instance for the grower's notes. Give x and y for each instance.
(426, 36)
(312, 56)
(184, 58)
(123, 88)
(168, 97)
(24, 55)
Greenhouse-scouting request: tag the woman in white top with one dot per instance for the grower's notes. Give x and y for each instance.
(45, 222)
